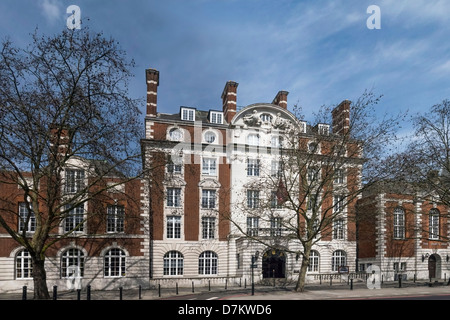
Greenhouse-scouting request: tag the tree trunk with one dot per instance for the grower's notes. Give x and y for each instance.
(300, 287)
(40, 280)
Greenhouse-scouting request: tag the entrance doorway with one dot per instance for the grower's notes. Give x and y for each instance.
(434, 266)
(274, 264)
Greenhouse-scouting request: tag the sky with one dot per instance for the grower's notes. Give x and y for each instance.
(321, 52)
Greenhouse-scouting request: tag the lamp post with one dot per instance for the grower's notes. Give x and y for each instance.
(253, 266)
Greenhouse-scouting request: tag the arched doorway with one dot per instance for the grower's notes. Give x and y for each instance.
(434, 266)
(274, 264)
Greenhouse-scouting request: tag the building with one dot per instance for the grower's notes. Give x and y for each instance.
(105, 251)
(202, 162)
(403, 232)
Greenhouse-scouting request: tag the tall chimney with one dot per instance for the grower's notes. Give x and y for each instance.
(152, 78)
(281, 99)
(341, 118)
(229, 100)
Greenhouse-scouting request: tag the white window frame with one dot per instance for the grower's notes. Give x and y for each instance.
(208, 228)
(114, 265)
(209, 166)
(115, 219)
(187, 114)
(74, 216)
(434, 224)
(173, 197)
(253, 199)
(74, 180)
(252, 226)
(24, 265)
(253, 167)
(399, 223)
(173, 227)
(208, 199)
(208, 263)
(216, 117)
(338, 259)
(253, 139)
(23, 215)
(72, 257)
(314, 260)
(173, 263)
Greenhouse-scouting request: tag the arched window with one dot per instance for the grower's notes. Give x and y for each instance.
(210, 137)
(434, 224)
(72, 261)
(115, 263)
(339, 259)
(173, 263)
(207, 263)
(313, 261)
(24, 265)
(399, 223)
(175, 134)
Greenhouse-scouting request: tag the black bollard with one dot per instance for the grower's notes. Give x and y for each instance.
(55, 292)
(120, 293)
(78, 294)
(24, 293)
(140, 292)
(192, 286)
(88, 292)
(351, 284)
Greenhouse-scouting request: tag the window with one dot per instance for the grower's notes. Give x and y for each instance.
(208, 199)
(74, 180)
(399, 223)
(174, 197)
(175, 134)
(210, 137)
(173, 168)
(313, 174)
(339, 229)
(253, 167)
(74, 220)
(253, 199)
(115, 260)
(24, 265)
(276, 142)
(338, 203)
(115, 219)
(72, 262)
(275, 227)
(216, 117)
(27, 218)
(253, 139)
(173, 227)
(252, 226)
(265, 117)
(313, 147)
(275, 202)
(209, 166)
(323, 129)
(338, 176)
(313, 265)
(208, 227)
(188, 114)
(207, 263)
(434, 224)
(339, 259)
(399, 267)
(275, 169)
(173, 263)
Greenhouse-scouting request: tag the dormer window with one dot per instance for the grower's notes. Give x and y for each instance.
(324, 129)
(216, 117)
(265, 117)
(187, 114)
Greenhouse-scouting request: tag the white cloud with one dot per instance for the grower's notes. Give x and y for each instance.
(51, 10)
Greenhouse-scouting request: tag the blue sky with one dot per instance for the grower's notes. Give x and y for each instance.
(320, 51)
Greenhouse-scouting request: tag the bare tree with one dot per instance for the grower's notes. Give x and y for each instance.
(64, 105)
(425, 163)
(312, 195)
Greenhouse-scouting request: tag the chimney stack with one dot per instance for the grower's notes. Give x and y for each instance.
(152, 78)
(341, 118)
(229, 100)
(281, 99)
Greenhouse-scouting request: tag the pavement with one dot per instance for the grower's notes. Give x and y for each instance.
(338, 291)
